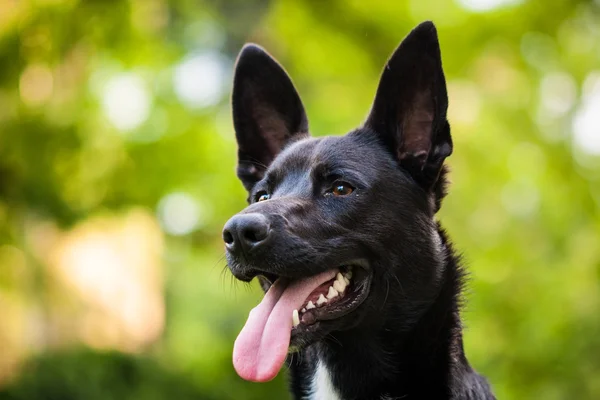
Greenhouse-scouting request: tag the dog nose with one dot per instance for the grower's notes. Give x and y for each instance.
(244, 232)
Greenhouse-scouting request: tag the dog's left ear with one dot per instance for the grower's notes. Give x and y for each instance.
(267, 112)
(409, 111)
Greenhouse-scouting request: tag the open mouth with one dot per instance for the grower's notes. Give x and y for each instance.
(332, 299)
(291, 308)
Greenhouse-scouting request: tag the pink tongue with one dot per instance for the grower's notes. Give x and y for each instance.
(260, 348)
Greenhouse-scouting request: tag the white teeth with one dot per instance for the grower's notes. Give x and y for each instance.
(321, 300)
(295, 318)
(332, 293)
(303, 310)
(310, 305)
(340, 286)
(346, 277)
(340, 282)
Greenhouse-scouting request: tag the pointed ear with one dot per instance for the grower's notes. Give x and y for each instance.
(267, 112)
(409, 111)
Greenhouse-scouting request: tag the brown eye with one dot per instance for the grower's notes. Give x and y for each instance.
(342, 189)
(262, 196)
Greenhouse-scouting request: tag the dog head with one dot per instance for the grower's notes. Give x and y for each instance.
(337, 227)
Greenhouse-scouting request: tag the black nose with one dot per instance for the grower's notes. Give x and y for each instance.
(244, 232)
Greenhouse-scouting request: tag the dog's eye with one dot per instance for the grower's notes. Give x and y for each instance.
(342, 189)
(262, 196)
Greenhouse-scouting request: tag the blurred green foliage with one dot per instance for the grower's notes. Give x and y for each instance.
(86, 375)
(106, 106)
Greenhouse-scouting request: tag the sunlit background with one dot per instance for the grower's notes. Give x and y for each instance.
(117, 158)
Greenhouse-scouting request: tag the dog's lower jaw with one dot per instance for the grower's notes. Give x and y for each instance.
(425, 362)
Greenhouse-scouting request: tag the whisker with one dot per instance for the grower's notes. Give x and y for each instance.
(387, 292)
(400, 285)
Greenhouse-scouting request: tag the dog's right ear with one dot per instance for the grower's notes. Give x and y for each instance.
(409, 111)
(267, 112)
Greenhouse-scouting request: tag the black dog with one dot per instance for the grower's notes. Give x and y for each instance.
(363, 289)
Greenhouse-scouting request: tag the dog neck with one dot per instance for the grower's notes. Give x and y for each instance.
(425, 361)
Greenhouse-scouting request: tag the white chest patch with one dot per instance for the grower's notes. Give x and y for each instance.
(322, 386)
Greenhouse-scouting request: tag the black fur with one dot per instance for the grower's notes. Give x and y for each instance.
(405, 340)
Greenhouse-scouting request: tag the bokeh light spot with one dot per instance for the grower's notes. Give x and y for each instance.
(179, 213)
(466, 102)
(520, 198)
(486, 5)
(126, 101)
(36, 85)
(586, 123)
(557, 93)
(199, 80)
